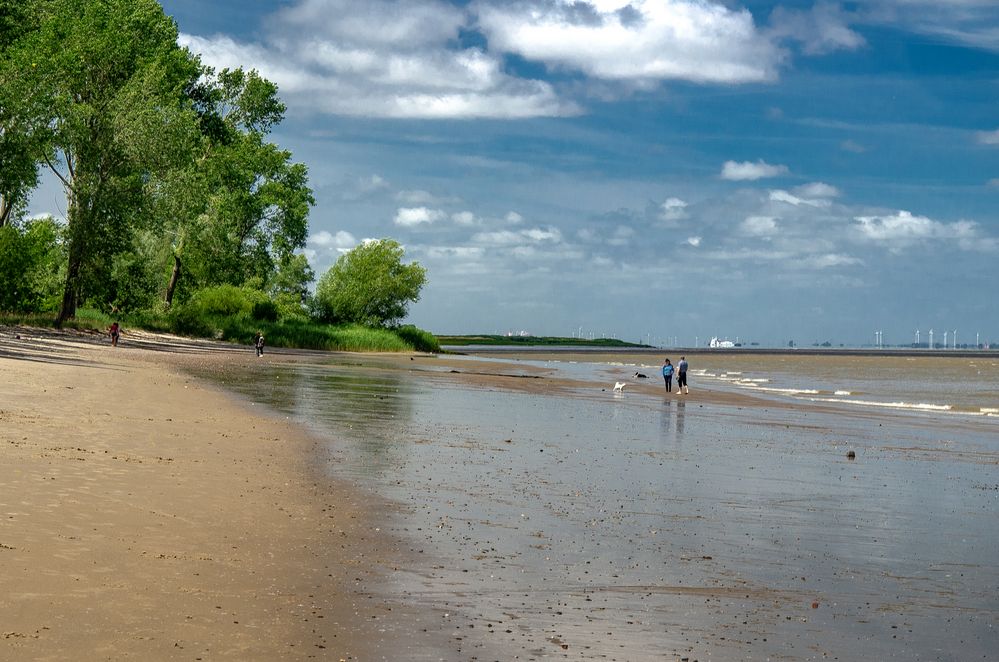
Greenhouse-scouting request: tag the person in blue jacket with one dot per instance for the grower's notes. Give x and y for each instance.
(668, 375)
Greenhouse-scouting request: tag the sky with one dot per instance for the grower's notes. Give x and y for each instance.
(654, 170)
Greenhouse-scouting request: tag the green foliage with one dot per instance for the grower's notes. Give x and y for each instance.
(29, 265)
(226, 301)
(487, 339)
(369, 285)
(420, 340)
(266, 311)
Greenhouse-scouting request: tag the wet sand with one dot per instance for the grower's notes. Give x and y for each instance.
(148, 516)
(474, 509)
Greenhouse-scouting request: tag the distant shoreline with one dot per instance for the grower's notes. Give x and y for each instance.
(802, 351)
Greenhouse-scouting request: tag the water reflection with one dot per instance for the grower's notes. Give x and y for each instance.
(357, 405)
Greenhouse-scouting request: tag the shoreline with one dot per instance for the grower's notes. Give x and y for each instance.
(148, 515)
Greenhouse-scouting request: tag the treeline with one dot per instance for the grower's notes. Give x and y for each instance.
(180, 211)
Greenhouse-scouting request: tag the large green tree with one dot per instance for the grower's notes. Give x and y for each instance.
(23, 130)
(369, 285)
(114, 82)
(239, 211)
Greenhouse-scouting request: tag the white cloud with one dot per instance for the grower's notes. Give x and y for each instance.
(759, 226)
(972, 23)
(514, 218)
(340, 240)
(674, 209)
(694, 241)
(822, 29)
(455, 252)
(409, 217)
(464, 218)
(830, 260)
(749, 171)
(511, 238)
(988, 137)
(783, 196)
(636, 40)
(993, 182)
(903, 228)
(382, 58)
(419, 198)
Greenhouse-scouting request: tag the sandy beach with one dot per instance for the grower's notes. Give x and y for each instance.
(177, 499)
(149, 517)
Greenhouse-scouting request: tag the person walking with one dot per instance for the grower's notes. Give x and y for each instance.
(668, 375)
(115, 332)
(681, 376)
(258, 342)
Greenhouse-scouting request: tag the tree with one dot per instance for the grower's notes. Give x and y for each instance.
(240, 209)
(22, 112)
(369, 285)
(114, 82)
(30, 257)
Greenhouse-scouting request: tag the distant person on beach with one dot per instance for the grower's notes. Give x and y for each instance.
(668, 375)
(114, 331)
(258, 342)
(681, 376)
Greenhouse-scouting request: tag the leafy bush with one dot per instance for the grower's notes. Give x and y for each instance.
(225, 300)
(266, 311)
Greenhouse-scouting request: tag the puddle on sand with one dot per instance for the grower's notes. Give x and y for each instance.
(636, 528)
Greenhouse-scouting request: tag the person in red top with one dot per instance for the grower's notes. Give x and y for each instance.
(114, 332)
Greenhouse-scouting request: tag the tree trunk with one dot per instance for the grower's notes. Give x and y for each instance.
(174, 277)
(71, 292)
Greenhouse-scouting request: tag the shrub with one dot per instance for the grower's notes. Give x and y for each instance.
(266, 311)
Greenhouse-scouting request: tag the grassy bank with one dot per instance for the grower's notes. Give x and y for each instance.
(293, 333)
(493, 340)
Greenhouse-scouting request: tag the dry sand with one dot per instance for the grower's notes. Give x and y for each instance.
(146, 516)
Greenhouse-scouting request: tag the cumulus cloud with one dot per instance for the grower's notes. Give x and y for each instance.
(822, 29)
(345, 58)
(903, 229)
(636, 40)
(694, 241)
(340, 240)
(674, 209)
(749, 171)
(409, 217)
(464, 218)
(759, 226)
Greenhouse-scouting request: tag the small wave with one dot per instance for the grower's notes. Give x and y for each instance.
(842, 393)
(757, 380)
(922, 406)
(789, 391)
(990, 411)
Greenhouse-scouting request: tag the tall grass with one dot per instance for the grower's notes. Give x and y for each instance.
(241, 327)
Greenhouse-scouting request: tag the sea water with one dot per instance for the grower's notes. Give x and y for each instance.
(588, 525)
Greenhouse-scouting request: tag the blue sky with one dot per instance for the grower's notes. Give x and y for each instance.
(659, 168)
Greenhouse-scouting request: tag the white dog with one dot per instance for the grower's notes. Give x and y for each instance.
(619, 387)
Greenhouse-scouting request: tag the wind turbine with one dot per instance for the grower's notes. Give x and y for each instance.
(917, 337)
(955, 338)
(931, 338)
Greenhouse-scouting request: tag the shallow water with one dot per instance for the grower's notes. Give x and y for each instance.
(593, 526)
